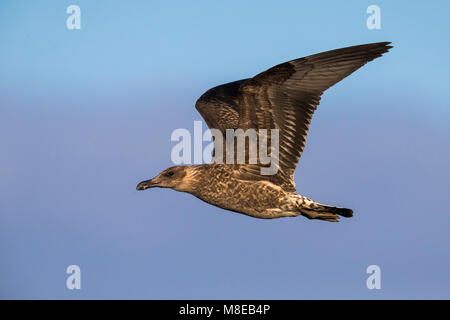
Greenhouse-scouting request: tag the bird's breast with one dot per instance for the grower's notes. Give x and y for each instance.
(253, 198)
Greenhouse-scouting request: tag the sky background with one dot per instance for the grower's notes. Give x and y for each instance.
(86, 114)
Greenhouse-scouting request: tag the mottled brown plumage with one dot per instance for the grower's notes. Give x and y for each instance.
(284, 97)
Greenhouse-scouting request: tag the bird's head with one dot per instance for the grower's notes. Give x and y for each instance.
(180, 178)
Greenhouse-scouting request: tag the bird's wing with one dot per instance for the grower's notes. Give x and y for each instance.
(285, 96)
(219, 106)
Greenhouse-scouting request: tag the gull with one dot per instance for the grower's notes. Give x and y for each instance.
(283, 97)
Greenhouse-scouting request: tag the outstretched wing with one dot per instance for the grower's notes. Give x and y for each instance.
(219, 106)
(285, 97)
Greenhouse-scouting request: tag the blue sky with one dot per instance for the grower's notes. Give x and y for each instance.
(86, 114)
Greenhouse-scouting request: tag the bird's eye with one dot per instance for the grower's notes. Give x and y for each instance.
(170, 173)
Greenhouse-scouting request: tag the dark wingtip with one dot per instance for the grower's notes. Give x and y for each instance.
(387, 45)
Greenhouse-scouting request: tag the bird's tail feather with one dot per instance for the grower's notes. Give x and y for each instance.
(340, 211)
(327, 213)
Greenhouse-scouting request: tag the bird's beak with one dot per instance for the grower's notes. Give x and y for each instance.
(147, 184)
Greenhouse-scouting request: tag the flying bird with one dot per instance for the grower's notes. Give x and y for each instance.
(283, 97)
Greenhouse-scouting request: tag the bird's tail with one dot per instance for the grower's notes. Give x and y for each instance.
(327, 213)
